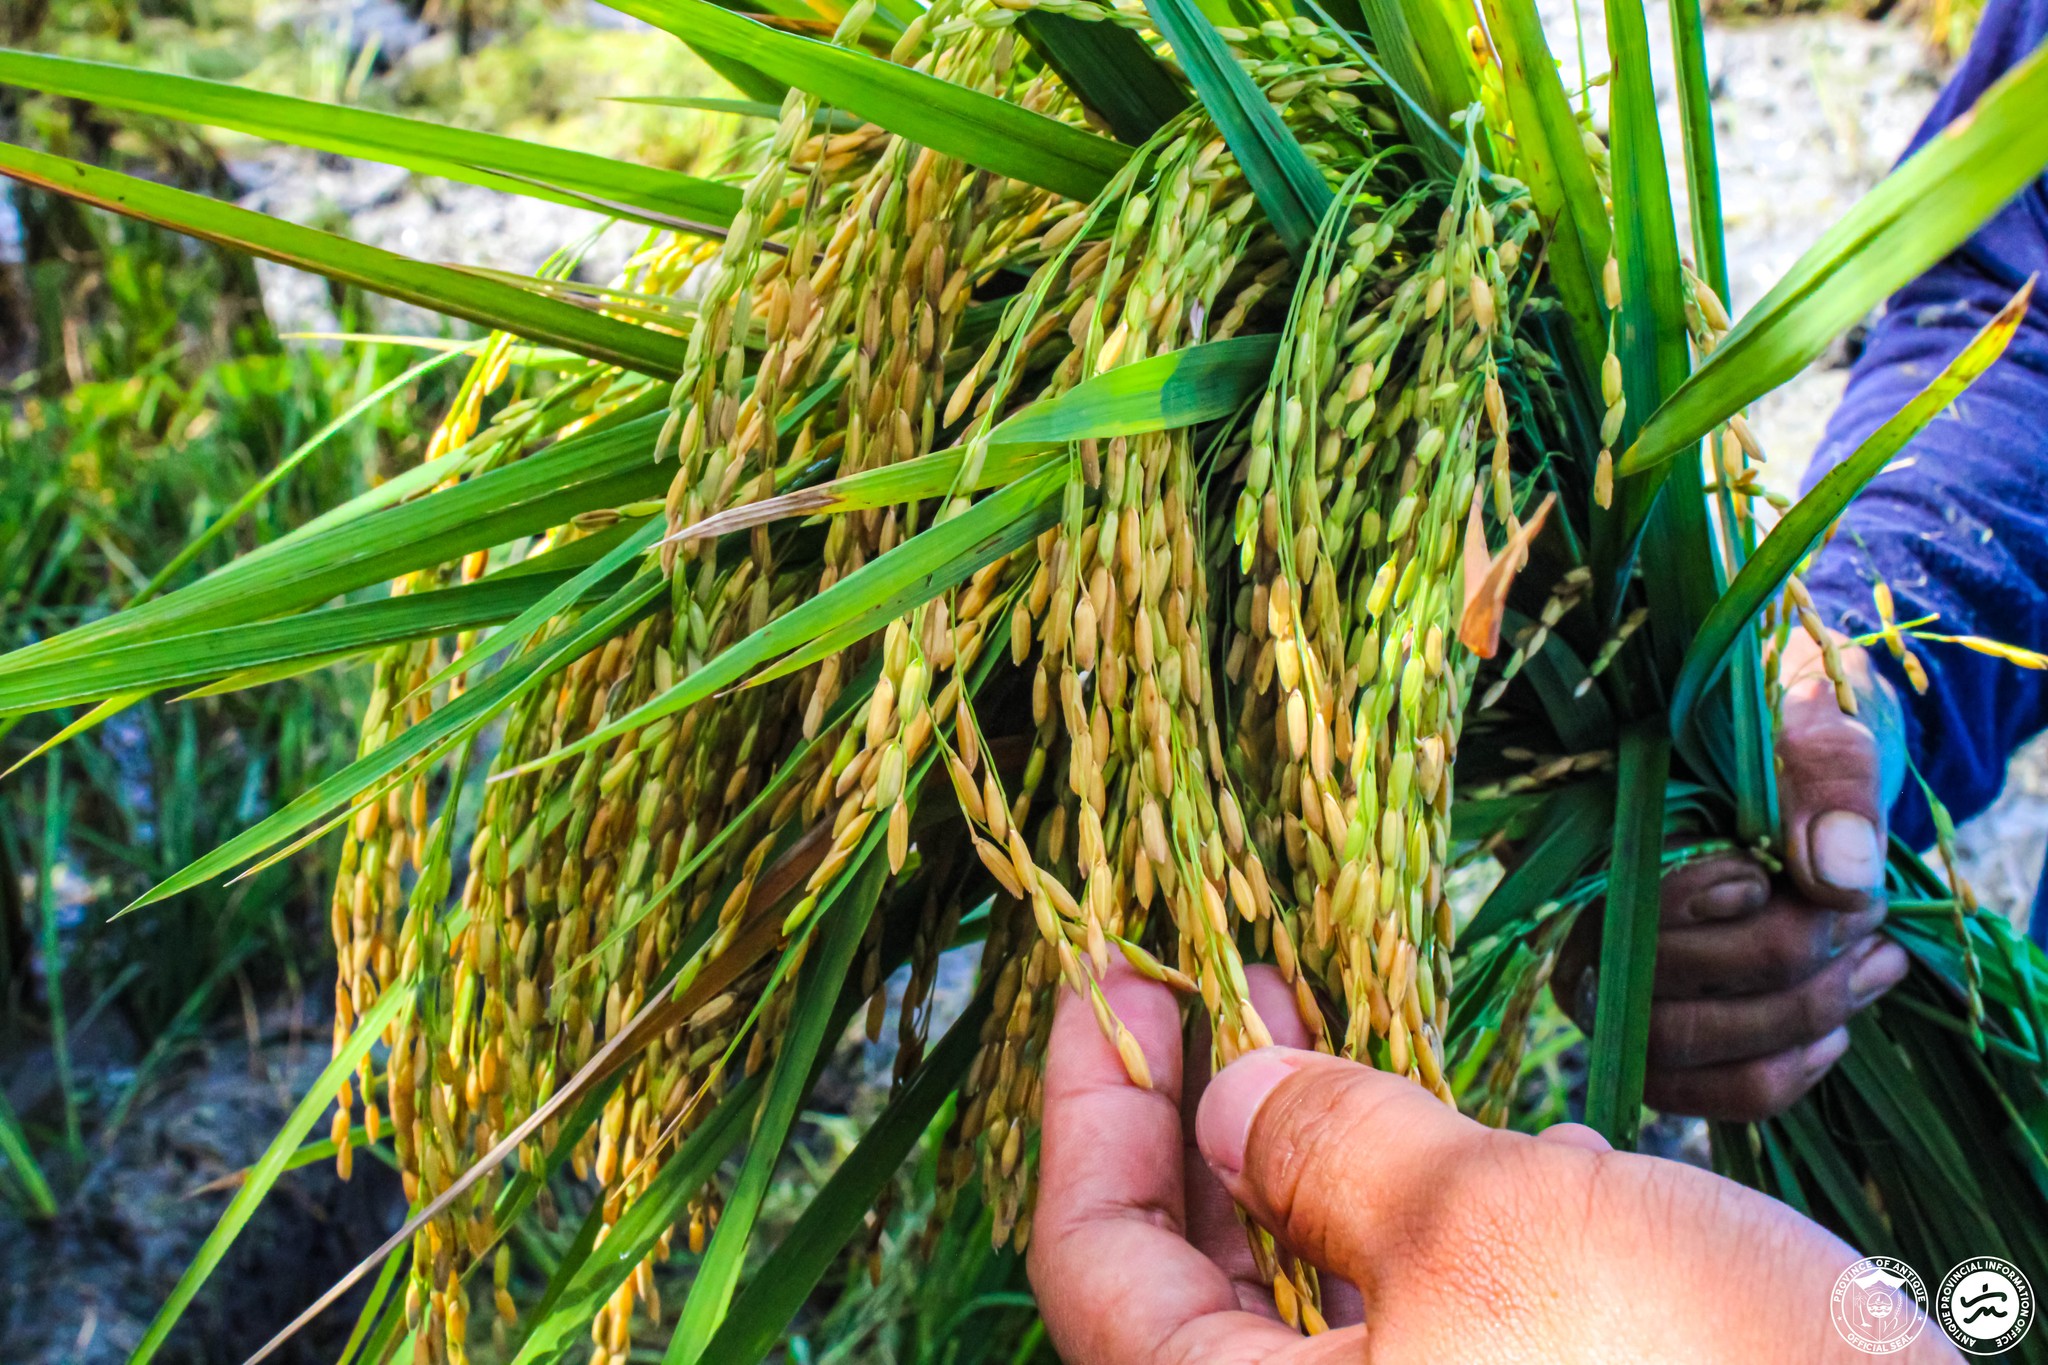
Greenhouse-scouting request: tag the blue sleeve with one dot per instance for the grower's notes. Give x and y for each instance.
(1959, 525)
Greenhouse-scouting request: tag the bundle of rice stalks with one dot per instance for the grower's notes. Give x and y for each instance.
(1105, 482)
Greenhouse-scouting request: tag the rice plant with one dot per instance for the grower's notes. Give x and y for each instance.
(1105, 480)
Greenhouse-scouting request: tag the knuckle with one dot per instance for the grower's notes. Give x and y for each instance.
(1830, 764)
(1823, 1007)
(1676, 1031)
(1753, 1093)
(1831, 739)
(1789, 947)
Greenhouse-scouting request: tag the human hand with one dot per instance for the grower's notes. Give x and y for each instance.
(1757, 978)
(1464, 1242)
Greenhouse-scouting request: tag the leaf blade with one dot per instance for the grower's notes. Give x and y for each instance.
(390, 1007)
(1628, 942)
(1926, 208)
(436, 149)
(779, 1287)
(1289, 187)
(1803, 525)
(977, 128)
(439, 288)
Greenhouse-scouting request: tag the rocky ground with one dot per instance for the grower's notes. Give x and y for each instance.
(82, 1289)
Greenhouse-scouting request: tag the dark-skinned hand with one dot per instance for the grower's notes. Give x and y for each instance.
(1757, 977)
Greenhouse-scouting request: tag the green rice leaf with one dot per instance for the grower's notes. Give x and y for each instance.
(1925, 209)
(1421, 53)
(106, 710)
(440, 288)
(1572, 835)
(124, 673)
(1806, 1133)
(566, 593)
(596, 470)
(392, 1006)
(1679, 560)
(1794, 537)
(584, 1284)
(1112, 70)
(885, 587)
(842, 925)
(430, 148)
(1550, 156)
(1742, 746)
(1178, 389)
(950, 119)
(889, 485)
(446, 727)
(826, 120)
(778, 1289)
(1628, 939)
(21, 1161)
(1696, 135)
(278, 472)
(1289, 187)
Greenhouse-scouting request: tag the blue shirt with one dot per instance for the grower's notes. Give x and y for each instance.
(1962, 529)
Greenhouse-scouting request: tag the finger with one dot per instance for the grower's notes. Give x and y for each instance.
(1744, 1092)
(1274, 999)
(1713, 891)
(1213, 1224)
(1691, 1033)
(1115, 1276)
(1288, 1134)
(1828, 795)
(1788, 943)
(1721, 890)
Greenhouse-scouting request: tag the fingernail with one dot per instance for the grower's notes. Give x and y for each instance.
(1825, 1053)
(1882, 967)
(1730, 899)
(1846, 852)
(1224, 1122)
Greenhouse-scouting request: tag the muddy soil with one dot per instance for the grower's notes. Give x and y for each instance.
(83, 1288)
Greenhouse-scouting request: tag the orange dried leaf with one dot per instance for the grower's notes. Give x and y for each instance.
(1486, 597)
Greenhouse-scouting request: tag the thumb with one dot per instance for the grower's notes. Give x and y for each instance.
(1830, 793)
(1345, 1165)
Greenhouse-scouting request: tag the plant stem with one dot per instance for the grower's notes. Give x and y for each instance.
(1628, 940)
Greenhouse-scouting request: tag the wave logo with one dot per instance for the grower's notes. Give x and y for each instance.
(1985, 1305)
